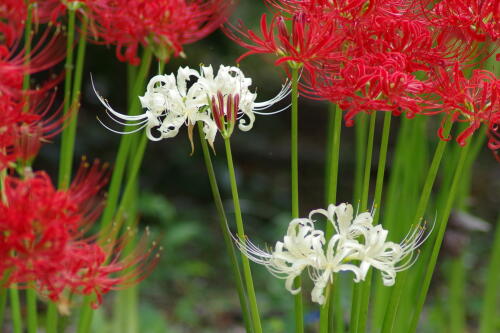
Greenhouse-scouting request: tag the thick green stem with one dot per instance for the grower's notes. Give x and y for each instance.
(125, 143)
(332, 306)
(68, 136)
(489, 313)
(225, 231)
(68, 66)
(366, 291)
(52, 318)
(3, 302)
(247, 273)
(398, 289)
(15, 307)
(86, 313)
(358, 295)
(32, 310)
(360, 129)
(443, 221)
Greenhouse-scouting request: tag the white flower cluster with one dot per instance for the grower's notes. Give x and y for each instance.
(170, 103)
(355, 246)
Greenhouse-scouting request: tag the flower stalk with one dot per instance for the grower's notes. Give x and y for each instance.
(443, 222)
(358, 296)
(225, 232)
(294, 169)
(394, 299)
(68, 66)
(247, 273)
(331, 313)
(68, 135)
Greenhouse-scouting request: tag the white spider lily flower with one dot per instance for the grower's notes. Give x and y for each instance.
(355, 246)
(217, 101)
(343, 221)
(388, 257)
(338, 252)
(231, 98)
(302, 246)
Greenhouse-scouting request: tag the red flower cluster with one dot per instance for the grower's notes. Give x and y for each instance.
(398, 56)
(163, 25)
(474, 100)
(42, 243)
(27, 119)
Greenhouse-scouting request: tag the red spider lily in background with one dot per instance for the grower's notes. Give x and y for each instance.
(12, 117)
(372, 82)
(46, 53)
(163, 25)
(43, 126)
(474, 100)
(479, 19)
(308, 42)
(12, 16)
(42, 243)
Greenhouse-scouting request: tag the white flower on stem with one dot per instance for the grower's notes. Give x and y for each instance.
(217, 101)
(302, 246)
(388, 257)
(355, 246)
(343, 221)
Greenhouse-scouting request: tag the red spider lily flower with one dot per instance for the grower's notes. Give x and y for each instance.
(12, 117)
(372, 82)
(42, 241)
(47, 52)
(12, 16)
(163, 25)
(26, 128)
(43, 125)
(422, 45)
(37, 220)
(91, 268)
(343, 10)
(479, 19)
(474, 100)
(309, 41)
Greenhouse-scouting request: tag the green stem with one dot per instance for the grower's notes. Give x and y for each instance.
(489, 313)
(357, 300)
(294, 169)
(390, 315)
(128, 193)
(125, 143)
(247, 273)
(366, 291)
(225, 232)
(439, 238)
(32, 310)
(52, 318)
(68, 66)
(69, 132)
(86, 314)
(331, 307)
(15, 307)
(3, 302)
(360, 147)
